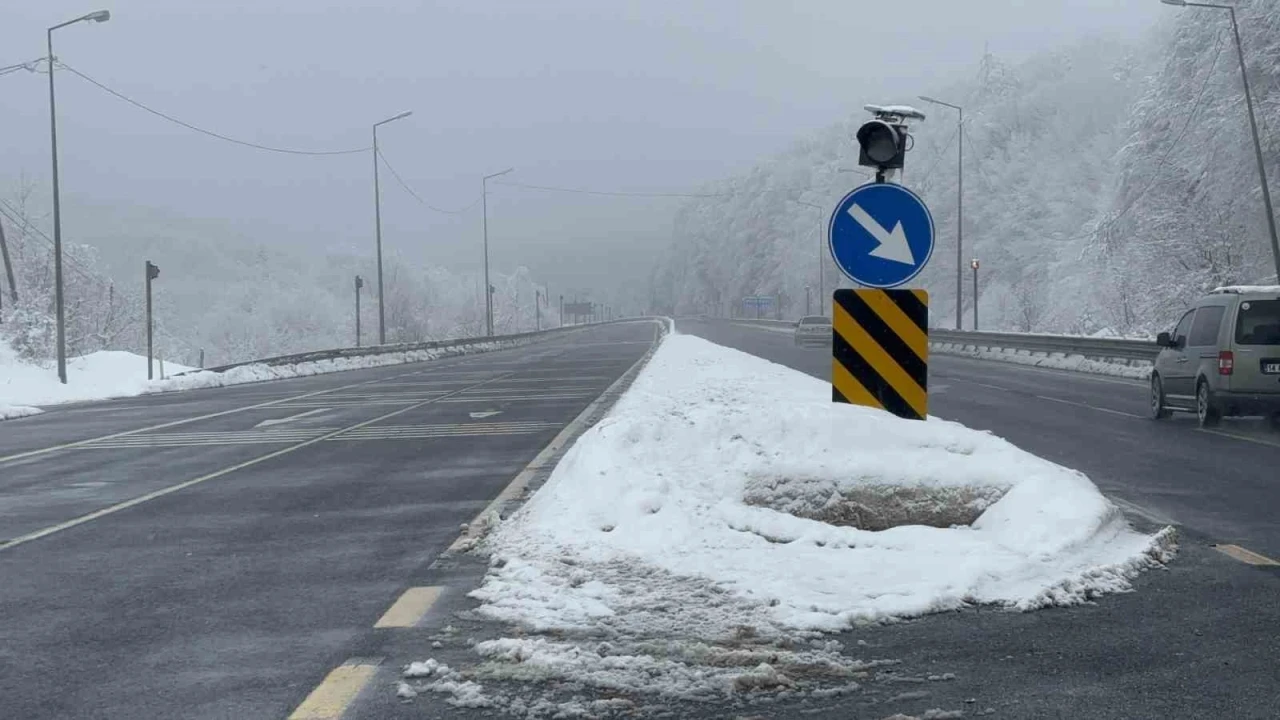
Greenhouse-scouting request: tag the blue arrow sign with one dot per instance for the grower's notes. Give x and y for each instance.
(881, 235)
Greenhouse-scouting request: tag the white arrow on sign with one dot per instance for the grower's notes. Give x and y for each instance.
(893, 245)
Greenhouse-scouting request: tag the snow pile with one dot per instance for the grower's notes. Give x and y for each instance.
(9, 412)
(1139, 370)
(99, 375)
(693, 541)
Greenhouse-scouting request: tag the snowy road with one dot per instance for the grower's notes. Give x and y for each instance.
(214, 554)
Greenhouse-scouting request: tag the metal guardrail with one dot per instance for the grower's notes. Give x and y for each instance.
(1102, 348)
(1090, 347)
(402, 347)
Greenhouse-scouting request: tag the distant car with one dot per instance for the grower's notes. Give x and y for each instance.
(813, 330)
(1222, 358)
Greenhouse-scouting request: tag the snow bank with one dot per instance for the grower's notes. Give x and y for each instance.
(8, 412)
(703, 467)
(111, 374)
(679, 548)
(99, 375)
(1057, 361)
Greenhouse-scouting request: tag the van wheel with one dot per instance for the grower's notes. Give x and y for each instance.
(1206, 411)
(1159, 410)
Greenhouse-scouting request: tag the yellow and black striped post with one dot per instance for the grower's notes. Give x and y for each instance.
(880, 350)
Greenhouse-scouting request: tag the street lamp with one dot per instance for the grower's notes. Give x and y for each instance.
(99, 16)
(821, 298)
(377, 221)
(484, 204)
(1253, 124)
(959, 205)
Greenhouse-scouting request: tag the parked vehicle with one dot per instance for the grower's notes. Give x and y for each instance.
(813, 330)
(1222, 358)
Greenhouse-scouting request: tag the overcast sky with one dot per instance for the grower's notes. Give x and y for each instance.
(645, 95)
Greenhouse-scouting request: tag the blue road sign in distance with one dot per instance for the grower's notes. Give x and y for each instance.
(881, 235)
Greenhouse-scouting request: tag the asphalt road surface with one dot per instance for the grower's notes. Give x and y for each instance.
(295, 567)
(216, 553)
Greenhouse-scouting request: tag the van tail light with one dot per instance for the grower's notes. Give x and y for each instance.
(1226, 362)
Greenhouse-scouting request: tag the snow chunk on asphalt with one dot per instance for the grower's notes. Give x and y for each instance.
(711, 467)
(9, 412)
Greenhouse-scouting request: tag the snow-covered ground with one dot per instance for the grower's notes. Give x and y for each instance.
(1057, 361)
(104, 374)
(111, 374)
(700, 539)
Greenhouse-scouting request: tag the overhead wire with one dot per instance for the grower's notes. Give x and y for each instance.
(418, 197)
(29, 66)
(22, 223)
(610, 193)
(204, 131)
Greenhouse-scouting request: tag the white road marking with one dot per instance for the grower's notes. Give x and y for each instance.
(175, 423)
(1246, 438)
(484, 414)
(1142, 512)
(291, 418)
(111, 510)
(1086, 406)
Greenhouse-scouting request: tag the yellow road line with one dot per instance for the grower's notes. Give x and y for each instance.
(1245, 555)
(409, 610)
(331, 698)
(45, 532)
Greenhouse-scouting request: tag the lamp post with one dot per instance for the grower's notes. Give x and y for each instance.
(99, 16)
(959, 204)
(484, 212)
(377, 221)
(1253, 124)
(821, 301)
(974, 264)
(806, 299)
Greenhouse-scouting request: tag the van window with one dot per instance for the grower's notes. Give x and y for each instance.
(1258, 322)
(1184, 325)
(1204, 331)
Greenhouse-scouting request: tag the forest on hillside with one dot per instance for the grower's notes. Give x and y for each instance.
(1106, 185)
(228, 298)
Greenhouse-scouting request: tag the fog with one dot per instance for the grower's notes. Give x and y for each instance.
(611, 96)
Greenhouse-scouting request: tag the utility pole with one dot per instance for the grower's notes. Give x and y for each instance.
(8, 266)
(153, 272)
(806, 299)
(561, 310)
(98, 16)
(537, 309)
(959, 206)
(974, 265)
(377, 222)
(484, 215)
(1253, 126)
(359, 284)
